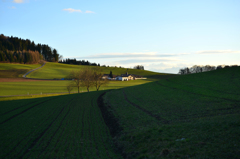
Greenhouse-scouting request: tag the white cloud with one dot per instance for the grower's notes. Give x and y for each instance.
(145, 55)
(217, 52)
(18, 1)
(88, 11)
(72, 10)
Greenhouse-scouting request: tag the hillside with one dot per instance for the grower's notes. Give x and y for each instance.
(8, 70)
(58, 71)
(189, 116)
(50, 70)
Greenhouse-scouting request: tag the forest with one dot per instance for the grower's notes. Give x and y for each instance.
(77, 62)
(17, 50)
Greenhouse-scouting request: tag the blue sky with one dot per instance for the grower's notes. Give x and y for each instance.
(161, 35)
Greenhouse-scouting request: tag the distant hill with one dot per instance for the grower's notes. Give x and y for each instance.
(58, 71)
(17, 50)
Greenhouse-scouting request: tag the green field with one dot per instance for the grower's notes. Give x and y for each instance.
(191, 116)
(188, 116)
(68, 126)
(58, 71)
(8, 70)
(58, 86)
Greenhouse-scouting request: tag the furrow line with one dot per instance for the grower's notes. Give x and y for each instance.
(207, 88)
(18, 108)
(76, 134)
(146, 111)
(91, 123)
(41, 134)
(197, 93)
(60, 125)
(28, 135)
(23, 111)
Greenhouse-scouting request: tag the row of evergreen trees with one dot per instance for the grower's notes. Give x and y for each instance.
(14, 49)
(78, 62)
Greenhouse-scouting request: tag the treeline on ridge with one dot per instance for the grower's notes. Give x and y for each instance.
(199, 69)
(14, 49)
(78, 62)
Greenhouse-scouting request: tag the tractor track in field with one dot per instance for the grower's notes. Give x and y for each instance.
(24, 111)
(60, 125)
(223, 92)
(109, 119)
(76, 134)
(41, 134)
(91, 123)
(13, 149)
(232, 100)
(18, 108)
(157, 117)
(55, 148)
(112, 123)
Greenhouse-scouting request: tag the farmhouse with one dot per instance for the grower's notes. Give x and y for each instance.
(122, 77)
(127, 77)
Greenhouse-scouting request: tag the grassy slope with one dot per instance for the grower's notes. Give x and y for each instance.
(8, 70)
(204, 109)
(43, 87)
(67, 126)
(57, 70)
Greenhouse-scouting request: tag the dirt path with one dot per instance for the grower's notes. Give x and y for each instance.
(24, 76)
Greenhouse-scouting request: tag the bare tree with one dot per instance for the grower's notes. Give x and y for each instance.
(87, 76)
(98, 81)
(77, 77)
(69, 88)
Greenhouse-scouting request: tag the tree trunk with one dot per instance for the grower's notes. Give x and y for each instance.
(78, 89)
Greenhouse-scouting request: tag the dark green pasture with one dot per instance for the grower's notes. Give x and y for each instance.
(189, 116)
(67, 126)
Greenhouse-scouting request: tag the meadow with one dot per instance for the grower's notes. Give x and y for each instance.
(58, 71)
(54, 86)
(187, 116)
(9, 70)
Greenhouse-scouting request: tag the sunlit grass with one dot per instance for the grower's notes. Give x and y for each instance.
(58, 71)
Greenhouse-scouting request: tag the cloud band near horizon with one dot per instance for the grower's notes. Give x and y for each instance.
(128, 55)
(217, 52)
(71, 10)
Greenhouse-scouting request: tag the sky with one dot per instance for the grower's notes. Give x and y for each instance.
(161, 35)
